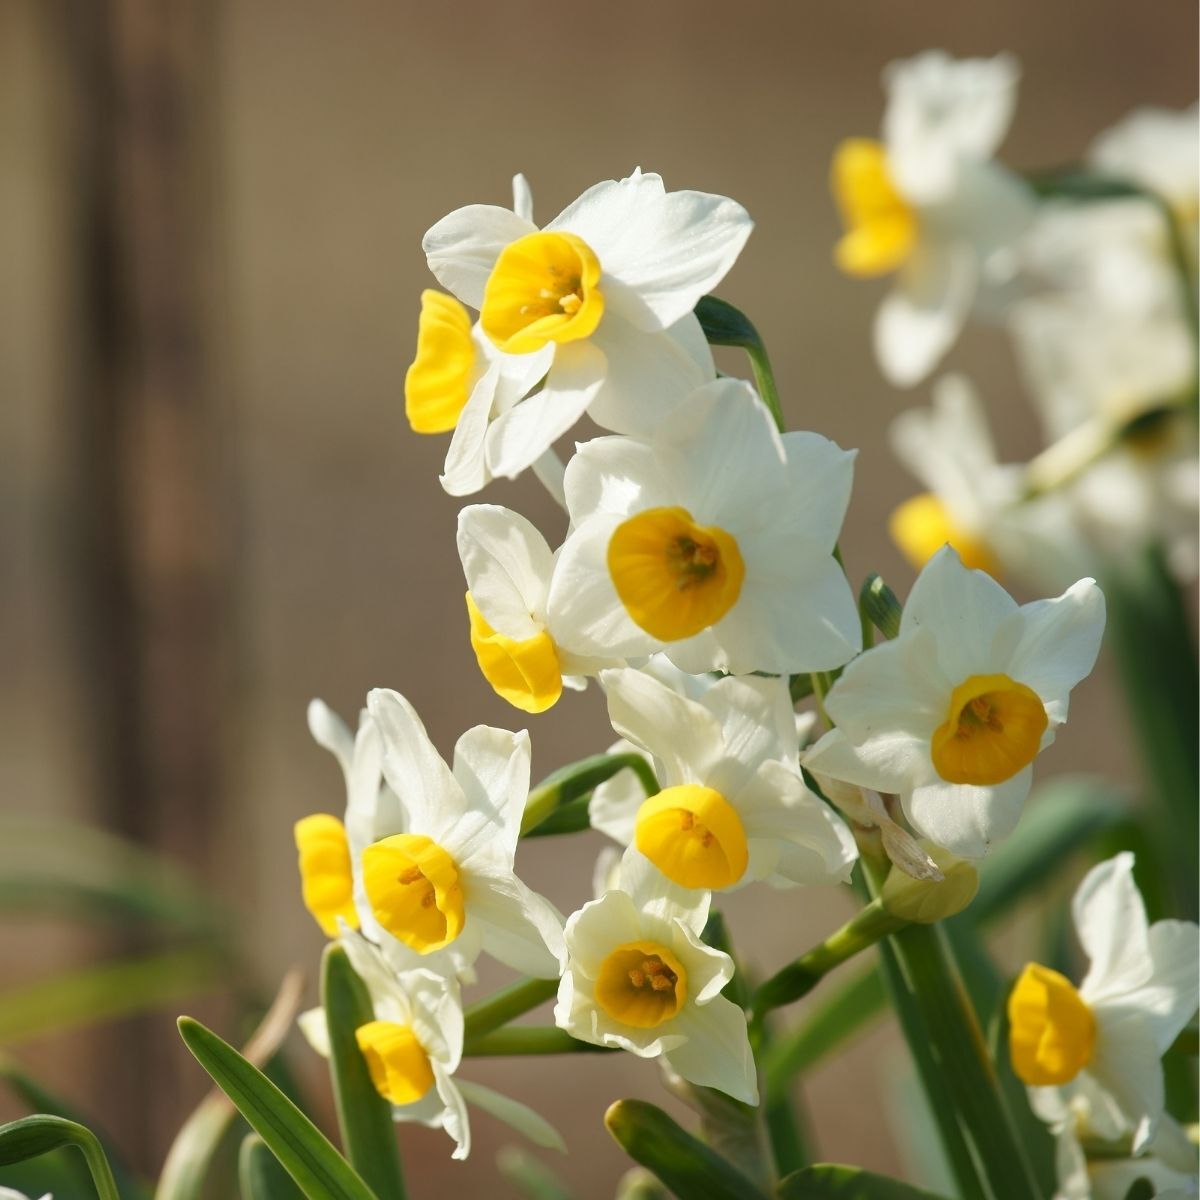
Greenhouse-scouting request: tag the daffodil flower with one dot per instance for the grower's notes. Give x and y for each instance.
(413, 1049)
(711, 542)
(733, 808)
(639, 978)
(951, 714)
(927, 203)
(437, 881)
(601, 298)
(1091, 1055)
(508, 566)
(1168, 1164)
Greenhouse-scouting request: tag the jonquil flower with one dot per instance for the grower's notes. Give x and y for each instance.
(733, 808)
(413, 1048)
(602, 298)
(439, 876)
(508, 566)
(638, 977)
(951, 714)
(712, 542)
(1096, 1050)
(927, 203)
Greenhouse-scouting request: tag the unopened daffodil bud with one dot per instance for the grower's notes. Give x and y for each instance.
(924, 901)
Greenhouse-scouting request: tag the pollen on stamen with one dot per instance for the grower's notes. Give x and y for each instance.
(687, 820)
(570, 304)
(637, 978)
(411, 875)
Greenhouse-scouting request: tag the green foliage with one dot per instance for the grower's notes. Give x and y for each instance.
(828, 1182)
(260, 1176)
(41, 1134)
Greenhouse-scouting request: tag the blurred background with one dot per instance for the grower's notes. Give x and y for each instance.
(213, 510)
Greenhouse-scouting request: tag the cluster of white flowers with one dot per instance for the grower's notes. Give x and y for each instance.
(699, 576)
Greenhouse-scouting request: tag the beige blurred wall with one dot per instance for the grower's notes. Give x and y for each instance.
(339, 133)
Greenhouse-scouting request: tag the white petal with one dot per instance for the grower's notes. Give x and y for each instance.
(514, 1114)
(329, 731)
(1168, 998)
(613, 806)
(522, 198)
(596, 928)
(465, 470)
(520, 928)
(683, 736)
(968, 820)
(664, 249)
(1126, 1064)
(757, 722)
(1110, 919)
(1058, 643)
(454, 1119)
(518, 437)
(315, 1028)
(892, 761)
(820, 477)
(921, 317)
(436, 1014)
(413, 768)
(657, 897)
(508, 565)
(717, 1052)
(462, 247)
(491, 766)
(615, 476)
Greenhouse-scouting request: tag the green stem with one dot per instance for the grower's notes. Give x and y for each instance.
(799, 978)
(528, 1039)
(725, 325)
(578, 779)
(513, 1001)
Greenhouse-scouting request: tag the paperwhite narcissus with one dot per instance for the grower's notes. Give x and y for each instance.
(1168, 1165)
(733, 808)
(1092, 1056)
(929, 204)
(951, 714)
(508, 566)
(437, 882)
(413, 1048)
(604, 293)
(712, 542)
(638, 977)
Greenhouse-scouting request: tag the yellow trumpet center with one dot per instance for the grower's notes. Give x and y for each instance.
(674, 577)
(397, 1062)
(325, 877)
(694, 836)
(920, 527)
(881, 227)
(1052, 1031)
(542, 289)
(414, 891)
(993, 729)
(524, 672)
(438, 383)
(641, 984)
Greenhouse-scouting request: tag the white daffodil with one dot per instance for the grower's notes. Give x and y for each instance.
(712, 542)
(929, 204)
(436, 885)
(733, 808)
(951, 714)
(638, 977)
(1168, 1165)
(614, 804)
(1092, 1056)
(508, 566)
(413, 1048)
(602, 297)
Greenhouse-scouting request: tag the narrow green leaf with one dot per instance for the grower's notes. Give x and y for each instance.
(528, 1039)
(828, 1182)
(31, 1136)
(685, 1164)
(878, 602)
(725, 325)
(105, 992)
(260, 1177)
(364, 1116)
(318, 1169)
(571, 817)
(498, 1009)
(191, 1155)
(530, 1176)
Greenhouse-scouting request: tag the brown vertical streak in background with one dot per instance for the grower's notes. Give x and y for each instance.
(150, 552)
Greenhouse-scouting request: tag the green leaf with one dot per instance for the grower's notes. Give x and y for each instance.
(318, 1169)
(191, 1155)
(828, 1182)
(105, 992)
(364, 1116)
(31, 1136)
(725, 325)
(503, 1006)
(879, 603)
(578, 779)
(531, 1177)
(685, 1164)
(571, 817)
(529, 1039)
(260, 1177)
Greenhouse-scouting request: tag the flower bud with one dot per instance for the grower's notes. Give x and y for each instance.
(924, 901)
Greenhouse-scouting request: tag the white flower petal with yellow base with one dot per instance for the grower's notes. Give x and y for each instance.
(440, 886)
(1092, 1056)
(928, 204)
(951, 713)
(733, 808)
(639, 978)
(508, 565)
(711, 542)
(606, 289)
